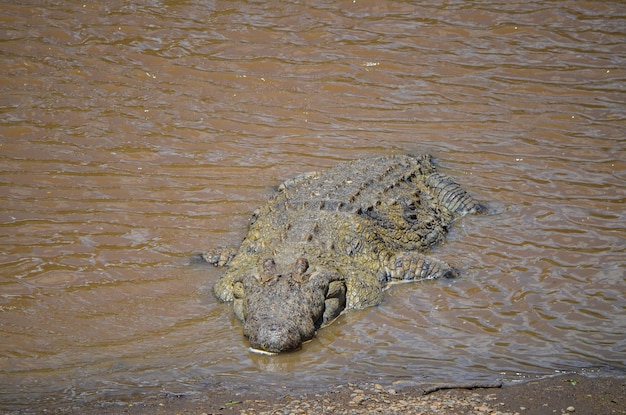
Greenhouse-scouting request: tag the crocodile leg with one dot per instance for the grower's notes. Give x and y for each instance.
(219, 257)
(406, 266)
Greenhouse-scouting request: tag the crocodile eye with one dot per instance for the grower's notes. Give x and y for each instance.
(301, 266)
(270, 272)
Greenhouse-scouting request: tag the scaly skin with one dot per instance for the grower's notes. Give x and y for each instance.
(333, 240)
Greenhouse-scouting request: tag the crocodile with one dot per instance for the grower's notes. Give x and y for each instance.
(334, 240)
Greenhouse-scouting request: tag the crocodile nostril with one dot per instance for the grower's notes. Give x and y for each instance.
(273, 327)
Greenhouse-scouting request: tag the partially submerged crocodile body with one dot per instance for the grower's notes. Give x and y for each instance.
(333, 240)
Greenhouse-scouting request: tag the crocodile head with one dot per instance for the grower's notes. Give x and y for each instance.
(280, 310)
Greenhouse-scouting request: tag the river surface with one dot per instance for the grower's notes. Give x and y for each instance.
(134, 135)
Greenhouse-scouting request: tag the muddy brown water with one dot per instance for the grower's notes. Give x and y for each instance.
(135, 134)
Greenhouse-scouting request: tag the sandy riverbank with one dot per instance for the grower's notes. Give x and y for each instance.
(567, 394)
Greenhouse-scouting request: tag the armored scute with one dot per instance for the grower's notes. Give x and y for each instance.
(332, 241)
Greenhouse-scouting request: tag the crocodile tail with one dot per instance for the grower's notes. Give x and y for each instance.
(452, 195)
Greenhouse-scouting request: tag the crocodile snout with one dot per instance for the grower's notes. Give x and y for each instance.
(274, 337)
